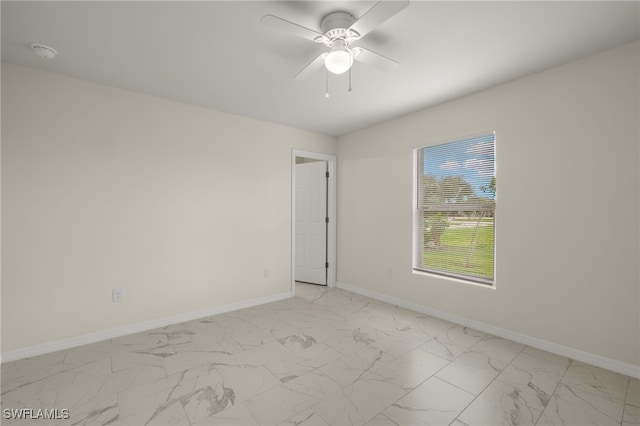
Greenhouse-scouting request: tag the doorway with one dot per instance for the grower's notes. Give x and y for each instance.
(312, 179)
(313, 223)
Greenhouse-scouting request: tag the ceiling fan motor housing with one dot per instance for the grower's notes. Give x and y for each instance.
(336, 25)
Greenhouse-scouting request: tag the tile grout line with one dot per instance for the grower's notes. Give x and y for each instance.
(396, 358)
(488, 384)
(249, 411)
(555, 389)
(624, 401)
(433, 375)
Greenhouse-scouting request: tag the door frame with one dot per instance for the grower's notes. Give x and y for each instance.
(331, 208)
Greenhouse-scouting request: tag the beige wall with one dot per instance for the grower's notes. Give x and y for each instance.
(180, 206)
(567, 209)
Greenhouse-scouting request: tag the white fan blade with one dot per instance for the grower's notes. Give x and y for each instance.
(290, 27)
(378, 13)
(314, 66)
(374, 59)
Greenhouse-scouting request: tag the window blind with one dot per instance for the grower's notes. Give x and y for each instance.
(455, 210)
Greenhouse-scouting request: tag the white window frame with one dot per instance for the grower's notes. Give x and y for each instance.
(418, 220)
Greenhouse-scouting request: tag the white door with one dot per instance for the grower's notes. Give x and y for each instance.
(311, 225)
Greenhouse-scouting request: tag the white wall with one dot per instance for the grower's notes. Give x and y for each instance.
(567, 227)
(180, 206)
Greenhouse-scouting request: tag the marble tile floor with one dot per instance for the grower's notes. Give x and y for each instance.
(325, 357)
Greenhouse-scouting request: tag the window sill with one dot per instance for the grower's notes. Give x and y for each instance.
(457, 280)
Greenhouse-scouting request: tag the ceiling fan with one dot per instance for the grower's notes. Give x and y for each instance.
(339, 31)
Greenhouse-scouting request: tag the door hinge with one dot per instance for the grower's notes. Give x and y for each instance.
(327, 174)
(326, 265)
(326, 220)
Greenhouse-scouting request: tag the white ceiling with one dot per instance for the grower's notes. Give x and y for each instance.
(218, 54)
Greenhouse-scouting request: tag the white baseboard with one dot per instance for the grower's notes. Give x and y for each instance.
(569, 352)
(99, 336)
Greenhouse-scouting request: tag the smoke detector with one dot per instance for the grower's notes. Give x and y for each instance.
(44, 51)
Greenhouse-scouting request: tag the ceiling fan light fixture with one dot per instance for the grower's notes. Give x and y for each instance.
(340, 59)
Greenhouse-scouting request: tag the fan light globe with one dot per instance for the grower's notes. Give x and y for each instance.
(339, 60)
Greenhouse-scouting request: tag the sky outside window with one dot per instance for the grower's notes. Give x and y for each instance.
(473, 159)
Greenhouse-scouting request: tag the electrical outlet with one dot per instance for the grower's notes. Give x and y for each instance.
(388, 271)
(267, 273)
(118, 295)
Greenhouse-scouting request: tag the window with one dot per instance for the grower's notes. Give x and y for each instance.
(455, 209)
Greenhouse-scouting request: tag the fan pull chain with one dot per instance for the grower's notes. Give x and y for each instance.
(349, 79)
(326, 95)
